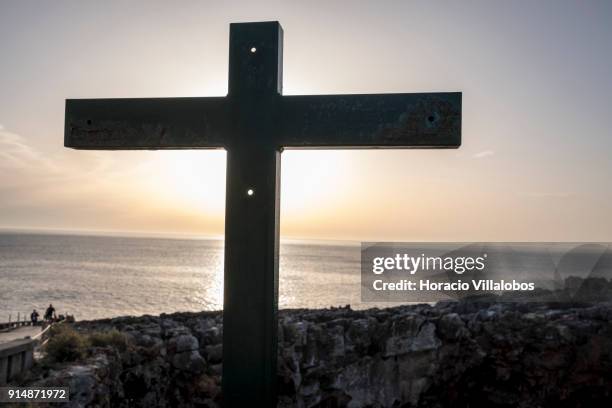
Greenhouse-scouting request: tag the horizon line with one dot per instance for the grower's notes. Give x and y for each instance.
(161, 235)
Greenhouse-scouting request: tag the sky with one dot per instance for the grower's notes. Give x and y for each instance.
(534, 165)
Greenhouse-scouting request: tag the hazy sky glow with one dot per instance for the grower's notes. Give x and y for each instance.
(537, 97)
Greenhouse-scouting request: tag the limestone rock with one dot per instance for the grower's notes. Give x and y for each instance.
(190, 361)
(452, 354)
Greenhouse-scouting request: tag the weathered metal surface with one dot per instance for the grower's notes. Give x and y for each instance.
(254, 122)
(151, 123)
(372, 121)
(251, 279)
(325, 121)
(255, 58)
(252, 220)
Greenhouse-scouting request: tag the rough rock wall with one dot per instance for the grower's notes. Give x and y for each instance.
(456, 354)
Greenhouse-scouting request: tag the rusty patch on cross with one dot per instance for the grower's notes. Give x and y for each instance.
(427, 118)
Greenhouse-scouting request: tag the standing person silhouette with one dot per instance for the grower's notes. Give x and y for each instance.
(49, 312)
(34, 317)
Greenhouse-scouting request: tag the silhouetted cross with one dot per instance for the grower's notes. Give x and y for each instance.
(254, 123)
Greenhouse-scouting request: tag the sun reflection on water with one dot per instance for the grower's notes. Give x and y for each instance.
(209, 292)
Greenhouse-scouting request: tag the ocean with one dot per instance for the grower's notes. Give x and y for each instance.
(94, 277)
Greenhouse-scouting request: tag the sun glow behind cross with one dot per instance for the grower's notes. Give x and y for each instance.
(194, 181)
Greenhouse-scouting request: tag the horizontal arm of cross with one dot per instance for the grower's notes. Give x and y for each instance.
(151, 123)
(409, 120)
(318, 121)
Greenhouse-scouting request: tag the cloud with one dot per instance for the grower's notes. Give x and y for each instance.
(64, 188)
(28, 175)
(18, 158)
(483, 154)
(49, 186)
(16, 153)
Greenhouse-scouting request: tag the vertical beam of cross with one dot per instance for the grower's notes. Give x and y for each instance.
(252, 216)
(254, 123)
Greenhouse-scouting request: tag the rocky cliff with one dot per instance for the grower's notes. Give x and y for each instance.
(462, 354)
